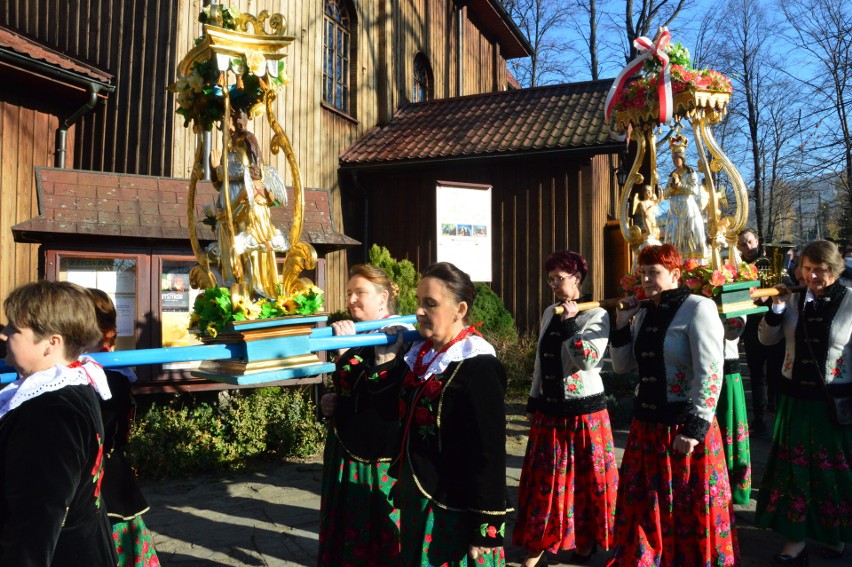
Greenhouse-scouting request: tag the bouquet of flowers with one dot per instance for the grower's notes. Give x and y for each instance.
(708, 282)
(641, 91)
(214, 308)
(699, 278)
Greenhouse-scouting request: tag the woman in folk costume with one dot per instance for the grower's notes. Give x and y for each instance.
(125, 503)
(674, 501)
(732, 416)
(51, 433)
(807, 485)
(358, 523)
(452, 470)
(569, 482)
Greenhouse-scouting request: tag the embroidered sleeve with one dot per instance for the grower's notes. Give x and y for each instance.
(706, 347)
(587, 345)
(621, 347)
(734, 328)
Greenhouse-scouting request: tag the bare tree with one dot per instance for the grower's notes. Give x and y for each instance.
(822, 31)
(541, 21)
(647, 17)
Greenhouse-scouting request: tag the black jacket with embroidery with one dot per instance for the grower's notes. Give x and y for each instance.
(51, 513)
(456, 441)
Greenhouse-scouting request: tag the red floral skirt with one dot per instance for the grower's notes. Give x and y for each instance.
(569, 483)
(673, 509)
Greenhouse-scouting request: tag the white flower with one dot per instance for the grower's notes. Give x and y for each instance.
(256, 63)
(195, 81)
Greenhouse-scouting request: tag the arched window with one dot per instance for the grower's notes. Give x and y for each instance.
(337, 39)
(422, 79)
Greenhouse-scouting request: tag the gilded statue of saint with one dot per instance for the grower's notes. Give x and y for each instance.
(247, 253)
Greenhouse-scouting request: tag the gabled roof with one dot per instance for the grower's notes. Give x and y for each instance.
(21, 52)
(552, 118)
(123, 206)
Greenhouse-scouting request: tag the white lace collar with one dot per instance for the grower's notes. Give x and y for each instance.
(470, 346)
(52, 379)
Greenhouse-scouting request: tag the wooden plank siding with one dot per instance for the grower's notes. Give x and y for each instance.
(26, 141)
(539, 205)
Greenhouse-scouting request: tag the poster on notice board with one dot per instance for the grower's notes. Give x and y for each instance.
(463, 215)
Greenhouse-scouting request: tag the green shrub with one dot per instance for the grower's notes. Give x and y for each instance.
(402, 273)
(183, 438)
(517, 353)
(497, 322)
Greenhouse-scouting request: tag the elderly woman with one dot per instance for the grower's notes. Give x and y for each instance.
(807, 486)
(674, 501)
(569, 482)
(452, 470)
(358, 523)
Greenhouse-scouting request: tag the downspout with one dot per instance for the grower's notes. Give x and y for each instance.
(62, 132)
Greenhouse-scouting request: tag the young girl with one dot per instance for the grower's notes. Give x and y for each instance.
(51, 434)
(125, 503)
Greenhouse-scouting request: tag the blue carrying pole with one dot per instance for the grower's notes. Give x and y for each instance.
(319, 340)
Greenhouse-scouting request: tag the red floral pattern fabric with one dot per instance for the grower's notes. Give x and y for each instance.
(673, 509)
(568, 486)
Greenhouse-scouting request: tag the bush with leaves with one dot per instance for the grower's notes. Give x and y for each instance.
(402, 273)
(186, 437)
(496, 320)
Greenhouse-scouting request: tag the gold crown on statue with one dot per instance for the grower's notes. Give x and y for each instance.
(678, 144)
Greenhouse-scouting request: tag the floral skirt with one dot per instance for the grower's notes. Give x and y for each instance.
(807, 486)
(432, 536)
(733, 424)
(673, 509)
(134, 544)
(569, 484)
(358, 524)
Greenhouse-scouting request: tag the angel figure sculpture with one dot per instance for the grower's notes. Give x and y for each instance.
(245, 249)
(684, 223)
(646, 209)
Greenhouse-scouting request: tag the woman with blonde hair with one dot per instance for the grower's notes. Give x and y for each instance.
(358, 523)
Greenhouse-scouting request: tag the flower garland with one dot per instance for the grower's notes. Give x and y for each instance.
(641, 91)
(698, 278)
(214, 308)
(200, 96)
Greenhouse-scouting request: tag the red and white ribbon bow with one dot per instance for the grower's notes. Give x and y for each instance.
(647, 49)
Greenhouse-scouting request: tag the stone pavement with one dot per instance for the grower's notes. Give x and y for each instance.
(271, 518)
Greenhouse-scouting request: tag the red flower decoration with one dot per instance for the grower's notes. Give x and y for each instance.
(432, 389)
(422, 416)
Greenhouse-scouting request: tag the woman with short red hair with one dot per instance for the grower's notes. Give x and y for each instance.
(674, 499)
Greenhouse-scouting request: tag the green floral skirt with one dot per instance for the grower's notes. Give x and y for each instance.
(134, 544)
(807, 487)
(432, 536)
(358, 524)
(733, 424)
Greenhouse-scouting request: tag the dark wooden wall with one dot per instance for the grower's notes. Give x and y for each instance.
(539, 205)
(134, 41)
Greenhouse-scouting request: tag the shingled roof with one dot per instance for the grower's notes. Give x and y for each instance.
(551, 118)
(122, 206)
